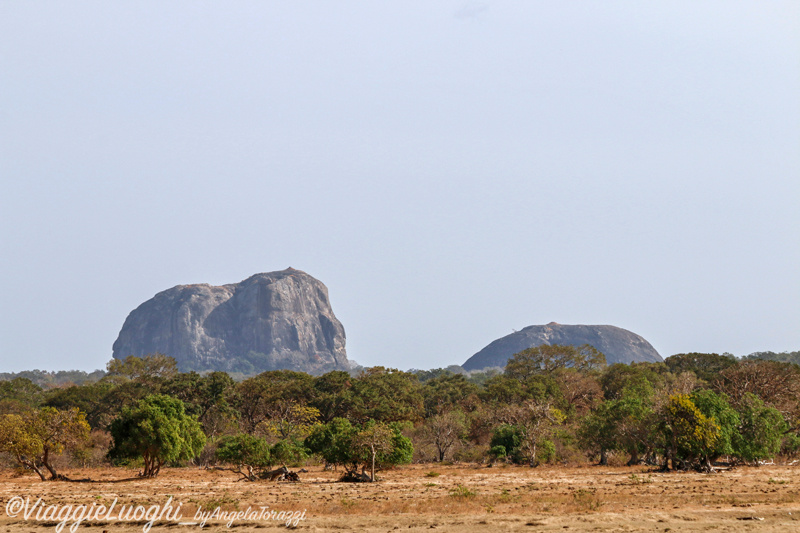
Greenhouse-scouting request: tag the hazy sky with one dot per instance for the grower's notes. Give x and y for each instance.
(451, 170)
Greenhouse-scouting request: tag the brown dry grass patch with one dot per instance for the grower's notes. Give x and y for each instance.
(459, 498)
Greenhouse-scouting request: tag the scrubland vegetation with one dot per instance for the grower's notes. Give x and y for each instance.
(552, 405)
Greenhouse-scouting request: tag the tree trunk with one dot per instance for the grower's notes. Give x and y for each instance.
(46, 462)
(603, 457)
(32, 466)
(634, 460)
(372, 473)
(151, 466)
(667, 455)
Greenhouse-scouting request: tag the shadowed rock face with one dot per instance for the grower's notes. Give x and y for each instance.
(277, 320)
(617, 344)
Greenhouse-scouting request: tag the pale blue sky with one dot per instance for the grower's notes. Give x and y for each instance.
(450, 170)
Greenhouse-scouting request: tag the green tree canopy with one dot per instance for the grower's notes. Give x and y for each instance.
(690, 438)
(270, 397)
(206, 397)
(149, 369)
(333, 395)
(623, 424)
(158, 430)
(374, 445)
(716, 407)
(706, 366)
(783, 357)
(386, 395)
(247, 454)
(447, 392)
(18, 395)
(761, 428)
(91, 398)
(545, 359)
(616, 378)
(332, 441)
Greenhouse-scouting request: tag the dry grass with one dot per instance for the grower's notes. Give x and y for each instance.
(459, 498)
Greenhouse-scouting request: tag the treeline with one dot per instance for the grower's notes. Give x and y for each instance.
(59, 378)
(783, 357)
(65, 378)
(551, 404)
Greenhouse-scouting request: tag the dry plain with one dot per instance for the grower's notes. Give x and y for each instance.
(425, 497)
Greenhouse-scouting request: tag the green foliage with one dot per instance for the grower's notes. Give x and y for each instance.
(507, 439)
(547, 451)
(498, 452)
(705, 366)
(386, 395)
(207, 397)
(546, 358)
(401, 451)
(480, 378)
(246, 453)
(448, 392)
(271, 397)
(783, 357)
(200, 393)
(760, 432)
(716, 407)
(633, 419)
(626, 421)
(148, 369)
(790, 445)
(289, 451)
(598, 431)
(341, 443)
(18, 395)
(690, 437)
(332, 441)
(333, 395)
(536, 421)
(93, 399)
(293, 422)
(425, 375)
(158, 430)
(244, 449)
(549, 396)
(776, 383)
(47, 379)
(502, 389)
(637, 376)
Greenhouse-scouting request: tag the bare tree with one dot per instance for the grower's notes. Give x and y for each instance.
(445, 431)
(536, 420)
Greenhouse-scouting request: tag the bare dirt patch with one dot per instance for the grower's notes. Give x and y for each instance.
(445, 498)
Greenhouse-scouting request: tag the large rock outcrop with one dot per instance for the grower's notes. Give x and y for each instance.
(617, 344)
(277, 320)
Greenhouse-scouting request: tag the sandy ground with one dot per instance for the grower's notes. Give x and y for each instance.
(421, 497)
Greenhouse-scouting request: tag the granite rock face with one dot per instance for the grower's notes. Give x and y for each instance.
(617, 344)
(277, 320)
